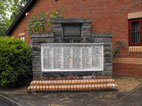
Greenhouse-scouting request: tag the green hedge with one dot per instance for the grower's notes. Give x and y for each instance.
(15, 62)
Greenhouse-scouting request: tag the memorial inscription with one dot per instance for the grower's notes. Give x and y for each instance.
(72, 57)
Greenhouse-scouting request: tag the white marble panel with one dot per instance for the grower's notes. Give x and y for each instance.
(72, 57)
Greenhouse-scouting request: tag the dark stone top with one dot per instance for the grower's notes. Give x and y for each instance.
(102, 35)
(71, 20)
(43, 35)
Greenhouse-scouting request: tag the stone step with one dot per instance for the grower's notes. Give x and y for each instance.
(85, 87)
(72, 82)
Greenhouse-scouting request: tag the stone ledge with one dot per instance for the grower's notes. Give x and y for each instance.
(71, 20)
(102, 35)
(135, 15)
(43, 35)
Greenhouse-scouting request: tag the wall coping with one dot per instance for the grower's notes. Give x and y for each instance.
(95, 35)
(42, 35)
(72, 20)
(102, 35)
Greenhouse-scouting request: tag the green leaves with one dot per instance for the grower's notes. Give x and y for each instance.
(15, 62)
(9, 9)
(42, 22)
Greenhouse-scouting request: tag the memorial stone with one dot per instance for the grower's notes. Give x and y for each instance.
(72, 57)
(65, 54)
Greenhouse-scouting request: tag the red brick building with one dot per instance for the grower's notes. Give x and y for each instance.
(123, 18)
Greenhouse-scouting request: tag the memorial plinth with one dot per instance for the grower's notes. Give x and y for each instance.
(71, 51)
(72, 58)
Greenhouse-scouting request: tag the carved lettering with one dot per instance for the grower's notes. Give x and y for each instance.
(72, 57)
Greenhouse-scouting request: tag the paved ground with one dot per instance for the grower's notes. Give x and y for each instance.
(3, 103)
(132, 99)
(114, 98)
(126, 96)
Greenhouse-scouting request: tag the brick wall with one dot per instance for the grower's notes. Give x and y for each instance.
(107, 16)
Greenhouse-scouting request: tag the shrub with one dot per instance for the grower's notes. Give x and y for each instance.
(42, 22)
(15, 62)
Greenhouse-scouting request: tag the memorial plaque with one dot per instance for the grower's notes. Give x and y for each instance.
(72, 57)
(72, 30)
(68, 57)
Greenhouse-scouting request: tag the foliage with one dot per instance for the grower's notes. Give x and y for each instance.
(8, 11)
(117, 47)
(16, 7)
(3, 27)
(43, 21)
(15, 62)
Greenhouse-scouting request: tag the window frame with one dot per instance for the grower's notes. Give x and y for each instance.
(130, 32)
(22, 37)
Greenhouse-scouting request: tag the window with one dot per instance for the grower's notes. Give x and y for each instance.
(135, 32)
(22, 37)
